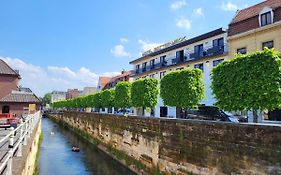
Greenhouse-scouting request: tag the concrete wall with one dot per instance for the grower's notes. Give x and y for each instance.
(183, 146)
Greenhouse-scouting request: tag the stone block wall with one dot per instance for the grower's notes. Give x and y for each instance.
(186, 146)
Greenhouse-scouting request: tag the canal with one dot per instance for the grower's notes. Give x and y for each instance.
(56, 157)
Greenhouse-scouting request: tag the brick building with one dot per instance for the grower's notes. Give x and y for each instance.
(73, 93)
(13, 98)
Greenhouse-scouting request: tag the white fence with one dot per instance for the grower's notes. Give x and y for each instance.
(11, 144)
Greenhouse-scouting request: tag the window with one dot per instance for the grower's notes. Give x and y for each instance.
(162, 74)
(199, 66)
(151, 76)
(242, 50)
(218, 42)
(144, 66)
(152, 64)
(198, 49)
(137, 68)
(268, 44)
(5, 109)
(163, 60)
(266, 18)
(180, 54)
(163, 111)
(217, 62)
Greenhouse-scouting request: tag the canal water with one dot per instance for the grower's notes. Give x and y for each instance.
(56, 157)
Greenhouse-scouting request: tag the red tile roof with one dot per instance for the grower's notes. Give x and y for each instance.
(255, 10)
(127, 73)
(104, 81)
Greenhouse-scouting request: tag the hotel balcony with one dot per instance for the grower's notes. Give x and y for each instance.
(189, 56)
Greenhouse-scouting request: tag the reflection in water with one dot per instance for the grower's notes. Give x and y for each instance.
(56, 157)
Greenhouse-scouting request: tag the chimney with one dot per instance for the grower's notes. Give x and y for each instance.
(123, 71)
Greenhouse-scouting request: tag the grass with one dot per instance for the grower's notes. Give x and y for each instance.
(36, 169)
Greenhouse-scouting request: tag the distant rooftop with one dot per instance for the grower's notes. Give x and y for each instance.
(21, 97)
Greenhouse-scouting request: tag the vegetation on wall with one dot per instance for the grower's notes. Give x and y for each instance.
(248, 82)
(182, 88)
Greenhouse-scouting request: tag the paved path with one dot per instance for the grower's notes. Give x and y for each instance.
(4, 146)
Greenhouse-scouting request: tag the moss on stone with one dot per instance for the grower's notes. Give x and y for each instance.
(36, 169)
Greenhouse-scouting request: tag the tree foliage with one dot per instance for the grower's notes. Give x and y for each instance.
(96, 100)
(182, 88)
(145, 92)
(47, 99)
(123, 95)
(248, 82)
(107, 98)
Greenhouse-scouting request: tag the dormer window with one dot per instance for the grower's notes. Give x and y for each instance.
(266, 17)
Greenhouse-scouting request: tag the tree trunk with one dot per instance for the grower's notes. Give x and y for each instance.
(255, 116)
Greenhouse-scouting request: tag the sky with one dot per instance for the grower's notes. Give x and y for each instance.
(57, 45)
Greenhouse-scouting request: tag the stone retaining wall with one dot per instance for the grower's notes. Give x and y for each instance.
(184, 146)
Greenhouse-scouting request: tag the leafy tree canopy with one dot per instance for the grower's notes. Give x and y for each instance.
(123, 95)
(182, 88)
(107, 98)
(248, 82)
(145, 92)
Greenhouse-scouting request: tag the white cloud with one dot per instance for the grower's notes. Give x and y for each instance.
(198, 12)
(124, 40)
(229, 6)
(178, 4)
(119, 51)
(62, 70)
(42, 80)
(184, 23)
(146, 45)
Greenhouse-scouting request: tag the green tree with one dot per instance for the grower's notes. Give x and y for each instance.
(248, 82)
(144, 93)
(107, 98)
(123, 95)
(47, 99)
(96, 100)
(182, 88)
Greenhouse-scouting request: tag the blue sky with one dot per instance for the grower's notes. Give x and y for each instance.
(68, 43)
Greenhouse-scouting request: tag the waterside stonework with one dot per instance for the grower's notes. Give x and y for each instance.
(183, 146)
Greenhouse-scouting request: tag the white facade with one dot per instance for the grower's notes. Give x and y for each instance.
(88, 90)
(58, 96)
(204, 62)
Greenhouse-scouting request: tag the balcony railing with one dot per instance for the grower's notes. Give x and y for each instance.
(192, 55)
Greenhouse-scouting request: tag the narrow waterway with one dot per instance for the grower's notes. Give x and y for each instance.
(56, 157)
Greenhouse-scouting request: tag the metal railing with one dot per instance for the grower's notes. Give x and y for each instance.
(190, 55)
(15, 139)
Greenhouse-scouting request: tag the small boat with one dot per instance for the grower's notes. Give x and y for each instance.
(52, 133)
(75, 149)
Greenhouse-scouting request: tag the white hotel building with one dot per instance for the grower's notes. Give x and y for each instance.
(203, 52)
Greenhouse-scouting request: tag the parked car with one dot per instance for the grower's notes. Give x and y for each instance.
(211, 113)
(124, 111)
